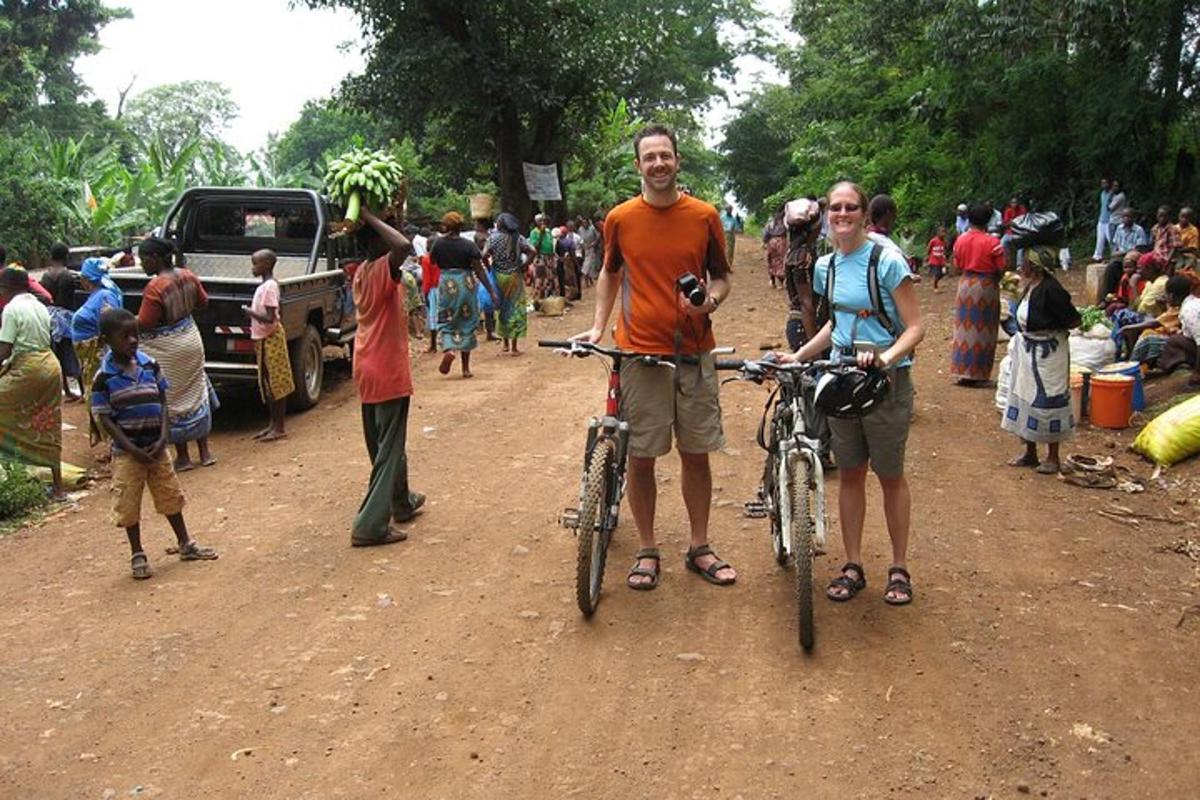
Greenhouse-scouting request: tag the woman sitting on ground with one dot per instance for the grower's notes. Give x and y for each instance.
(1039, 402)
(1144, 340)
(1183, 349)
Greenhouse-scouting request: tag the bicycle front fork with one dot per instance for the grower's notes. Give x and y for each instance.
(617, 429)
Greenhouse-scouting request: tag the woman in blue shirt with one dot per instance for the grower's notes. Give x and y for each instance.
(880, 437)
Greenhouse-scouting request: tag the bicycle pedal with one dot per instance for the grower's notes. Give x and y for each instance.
(569, 518)
(755, 509)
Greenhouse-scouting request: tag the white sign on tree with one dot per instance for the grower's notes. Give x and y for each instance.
(541, 181)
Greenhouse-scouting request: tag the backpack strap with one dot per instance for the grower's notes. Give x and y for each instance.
(829, 291)
(876, 294)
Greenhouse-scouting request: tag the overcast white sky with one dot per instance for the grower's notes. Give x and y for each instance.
(271, 58)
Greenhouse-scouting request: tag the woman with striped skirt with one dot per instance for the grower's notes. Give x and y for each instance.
(980, 257)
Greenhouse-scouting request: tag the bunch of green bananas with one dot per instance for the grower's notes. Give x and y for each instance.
(373, 176)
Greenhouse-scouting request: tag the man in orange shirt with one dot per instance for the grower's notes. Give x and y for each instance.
(649, 243)
(384, 377)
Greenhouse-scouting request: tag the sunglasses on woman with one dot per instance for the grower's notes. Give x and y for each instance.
(848, 208)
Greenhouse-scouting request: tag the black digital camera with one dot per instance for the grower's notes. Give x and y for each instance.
(692, 289)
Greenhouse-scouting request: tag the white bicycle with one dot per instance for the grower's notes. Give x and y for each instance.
(792, 492)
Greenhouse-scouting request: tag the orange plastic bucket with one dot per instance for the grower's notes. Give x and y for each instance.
(1111, 401)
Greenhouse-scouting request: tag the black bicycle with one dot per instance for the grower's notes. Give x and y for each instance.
(603, 483)
(792, 491)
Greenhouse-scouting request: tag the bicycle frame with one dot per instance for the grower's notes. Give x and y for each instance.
(799, 445)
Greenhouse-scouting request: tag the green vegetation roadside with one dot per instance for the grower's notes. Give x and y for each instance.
(22, 497)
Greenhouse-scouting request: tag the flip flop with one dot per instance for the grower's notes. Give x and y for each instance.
(646, 572)
(710, 573)
(1048, 468)
(192, 551)
(187, 466)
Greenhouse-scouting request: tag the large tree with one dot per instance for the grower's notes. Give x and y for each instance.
(958, 99)
(39, 42)
(520, 80)
(175, 114)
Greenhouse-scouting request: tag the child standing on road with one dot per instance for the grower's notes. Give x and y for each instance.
(275, 382)
(936, 257)
(129, 399)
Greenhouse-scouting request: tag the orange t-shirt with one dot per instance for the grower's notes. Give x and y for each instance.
(381, 365)
(655, 246)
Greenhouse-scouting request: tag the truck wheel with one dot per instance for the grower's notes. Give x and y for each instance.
(308, 369)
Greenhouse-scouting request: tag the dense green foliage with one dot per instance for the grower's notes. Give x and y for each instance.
(39, 42)
(496, 84)
(175, 114)
(953, 100)
(20, 492)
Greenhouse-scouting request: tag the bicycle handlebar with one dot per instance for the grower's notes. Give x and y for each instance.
(576, 347)
(767, 365)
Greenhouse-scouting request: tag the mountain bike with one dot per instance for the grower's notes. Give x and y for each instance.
(792, 492)
(603, 483)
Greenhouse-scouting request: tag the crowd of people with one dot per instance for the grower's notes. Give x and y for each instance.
(851, 291)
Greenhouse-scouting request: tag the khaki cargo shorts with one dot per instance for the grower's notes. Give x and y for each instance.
(881, 436)
(130, 477)
(653, 407)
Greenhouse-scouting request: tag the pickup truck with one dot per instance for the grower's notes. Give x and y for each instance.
(217, 229)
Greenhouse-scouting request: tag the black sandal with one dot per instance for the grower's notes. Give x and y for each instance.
(900, 585)
(709, 574)
(645, 572)
(844, 581)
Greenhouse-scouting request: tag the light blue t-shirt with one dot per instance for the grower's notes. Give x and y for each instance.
(1105, 198)
(850, 291)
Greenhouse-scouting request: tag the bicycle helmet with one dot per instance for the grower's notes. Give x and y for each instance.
(851, 392)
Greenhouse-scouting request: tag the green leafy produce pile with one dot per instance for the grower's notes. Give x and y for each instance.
(1093, 316)
(373, 176)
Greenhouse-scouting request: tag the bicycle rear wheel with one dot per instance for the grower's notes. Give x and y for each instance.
(593, 528)
(803, 529)
(770, 496)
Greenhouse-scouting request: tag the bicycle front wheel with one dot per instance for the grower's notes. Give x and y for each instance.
(593, 525)
(803, 530)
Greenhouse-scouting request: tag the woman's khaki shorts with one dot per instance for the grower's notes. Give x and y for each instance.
(880, 436)
(653, 406)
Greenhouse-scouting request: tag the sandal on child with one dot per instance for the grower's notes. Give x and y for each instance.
(648, 553)
(844, 581)
(140, 565)
(900, 585)
(710, 573)
(192, 551)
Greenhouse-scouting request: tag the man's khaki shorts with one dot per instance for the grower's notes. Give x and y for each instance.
(653, 406)
(130, 477)
(880, 436)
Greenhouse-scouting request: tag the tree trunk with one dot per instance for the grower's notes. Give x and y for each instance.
(1172, 50)
(545, 149)
(513, 196)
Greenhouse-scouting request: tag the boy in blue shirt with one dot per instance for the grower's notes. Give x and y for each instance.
(129, 401)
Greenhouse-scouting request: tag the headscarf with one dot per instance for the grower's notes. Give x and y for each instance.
(96, 270)
(1153, 259)
(1042, 259)
(508, 223)
(15, 278)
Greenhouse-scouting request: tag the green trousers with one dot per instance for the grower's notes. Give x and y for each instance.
(385, 427)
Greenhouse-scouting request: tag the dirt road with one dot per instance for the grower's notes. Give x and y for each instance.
(1044, 655)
